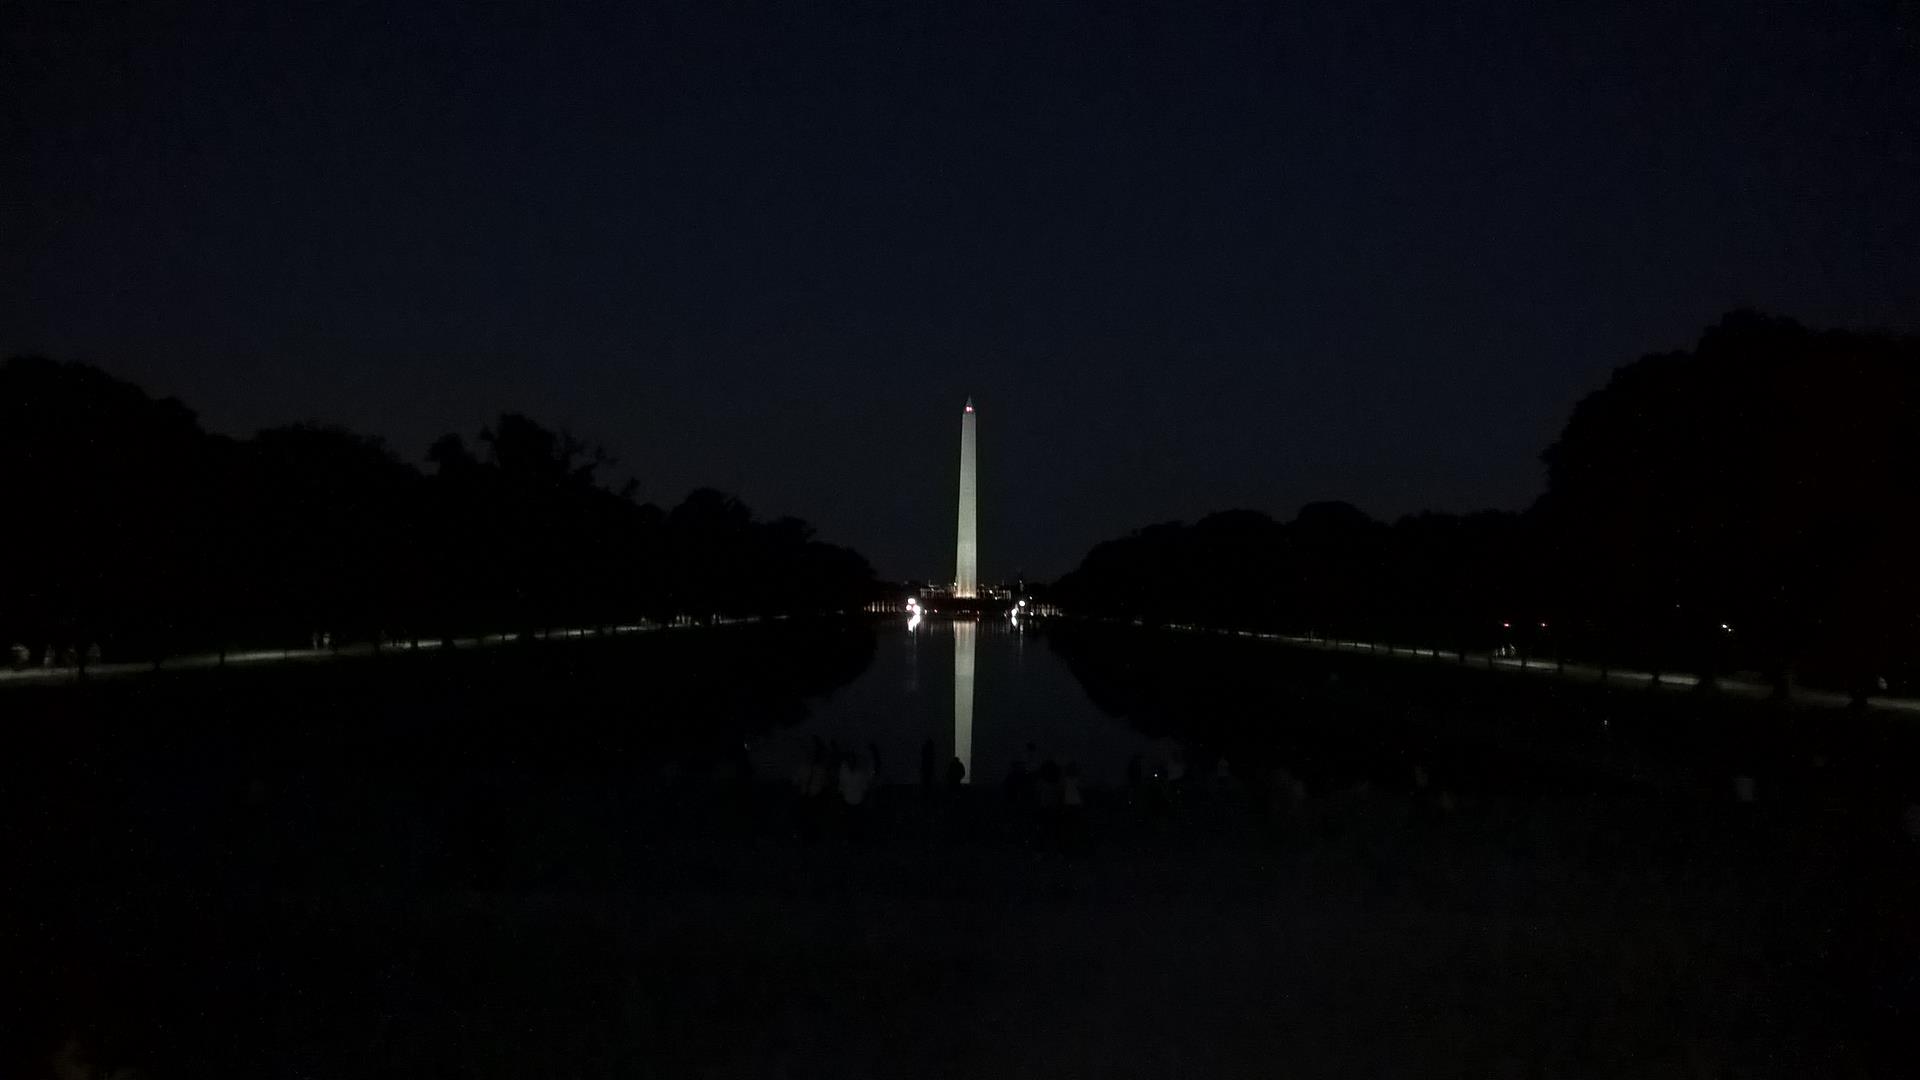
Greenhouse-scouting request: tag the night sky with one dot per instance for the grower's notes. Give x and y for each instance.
(1277, 253)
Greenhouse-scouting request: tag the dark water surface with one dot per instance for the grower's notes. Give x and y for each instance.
(587, 860)
(982, 691)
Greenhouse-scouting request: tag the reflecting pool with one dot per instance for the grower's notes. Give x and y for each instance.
(980, 690)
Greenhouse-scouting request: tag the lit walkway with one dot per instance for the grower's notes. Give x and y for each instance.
(1576, 672)
(66, 673)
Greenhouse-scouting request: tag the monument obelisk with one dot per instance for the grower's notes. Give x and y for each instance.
(966, 561)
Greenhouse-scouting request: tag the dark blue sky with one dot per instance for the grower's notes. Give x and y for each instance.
(1265, 255)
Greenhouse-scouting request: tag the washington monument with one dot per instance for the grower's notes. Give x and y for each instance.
(966, 552)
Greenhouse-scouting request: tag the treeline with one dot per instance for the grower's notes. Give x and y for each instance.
(134, 534)
(1752, 504)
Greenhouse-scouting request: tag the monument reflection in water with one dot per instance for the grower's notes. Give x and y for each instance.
(964, 644)
(1005, 693)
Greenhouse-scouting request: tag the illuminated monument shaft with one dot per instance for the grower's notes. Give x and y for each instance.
(966, 569)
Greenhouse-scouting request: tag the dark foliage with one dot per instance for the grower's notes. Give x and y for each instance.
(135, 531)
(1751, 504)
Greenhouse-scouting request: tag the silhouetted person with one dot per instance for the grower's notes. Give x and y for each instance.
(741, 760)
(812, 780)
(956, 773)
(855, 778)
(1224, 783)
(1019, 784)
(1048, 791)
(1073, 813)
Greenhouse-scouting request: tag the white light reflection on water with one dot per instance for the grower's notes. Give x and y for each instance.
(1006, 692)
(964, 633)
(913, 657)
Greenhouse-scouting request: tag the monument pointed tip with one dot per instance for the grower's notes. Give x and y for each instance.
(969, 402)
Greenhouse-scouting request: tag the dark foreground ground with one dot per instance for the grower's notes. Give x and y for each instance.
(1350, 935)
(277, 910)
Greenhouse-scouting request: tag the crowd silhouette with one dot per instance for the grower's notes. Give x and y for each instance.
(1751, 505)
(137, 535)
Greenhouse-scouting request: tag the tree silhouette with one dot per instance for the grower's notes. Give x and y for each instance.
(145, 535)
(106, 482)
(1751, 503)
(1765, 481)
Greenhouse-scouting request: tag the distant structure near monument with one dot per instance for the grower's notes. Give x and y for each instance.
(966, 554)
